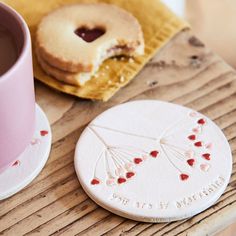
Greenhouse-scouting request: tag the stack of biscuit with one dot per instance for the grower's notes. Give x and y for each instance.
(74, 40)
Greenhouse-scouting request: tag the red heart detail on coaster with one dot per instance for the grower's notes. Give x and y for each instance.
(197, 130)
(95, 181)
(89, 35)
(35, 141)
(138, 160)
(189, 154)
(110, 181)
(192, 137)
(193, 114)
(191, 162)
(121, 180)
(207, 156)
(43, 132)
(205, 167)
(201, 121)
(16, 163)
(129, 175)
(154, 153)
(184, 177)
(198, 144)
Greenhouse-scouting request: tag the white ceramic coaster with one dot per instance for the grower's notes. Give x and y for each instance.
(153, 161)
(31, 161)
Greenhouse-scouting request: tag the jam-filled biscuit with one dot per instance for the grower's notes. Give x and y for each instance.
(77, 78)
(78, 38)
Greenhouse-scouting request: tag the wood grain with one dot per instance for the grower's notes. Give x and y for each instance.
(184, 72)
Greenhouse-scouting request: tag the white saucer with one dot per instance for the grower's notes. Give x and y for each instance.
(31, 161)
(153, 161)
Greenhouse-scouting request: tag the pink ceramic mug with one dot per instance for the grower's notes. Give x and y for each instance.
(17, 99)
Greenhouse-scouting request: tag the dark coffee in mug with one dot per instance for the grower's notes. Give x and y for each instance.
(8, 50)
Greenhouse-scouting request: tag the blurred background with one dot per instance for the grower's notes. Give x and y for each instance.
(213, 22)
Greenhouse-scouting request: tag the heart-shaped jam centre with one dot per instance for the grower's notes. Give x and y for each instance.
(89, 35)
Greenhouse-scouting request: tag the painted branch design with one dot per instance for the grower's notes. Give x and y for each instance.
(120, 162)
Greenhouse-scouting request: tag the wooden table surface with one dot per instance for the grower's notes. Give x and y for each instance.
(183, 72)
